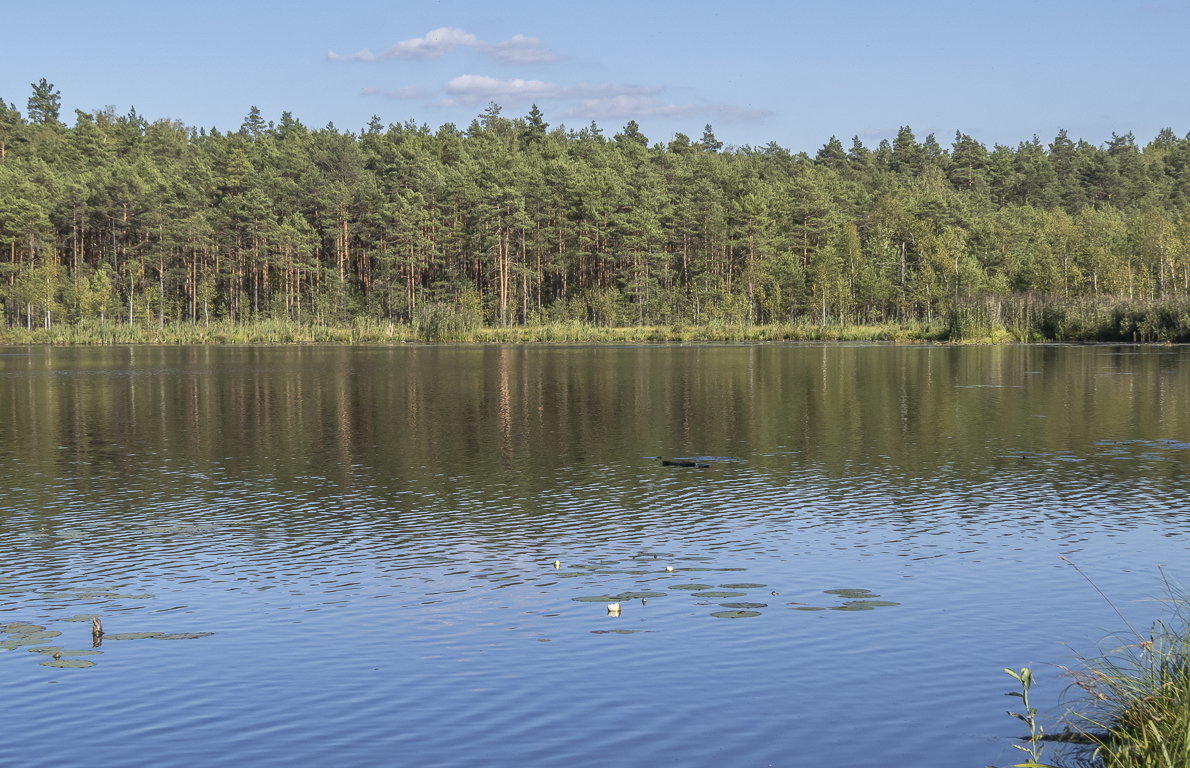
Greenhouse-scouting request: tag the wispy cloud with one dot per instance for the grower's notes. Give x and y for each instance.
(483, 87)
(586, 101)
(627, 107)
(477, 89)
(518, 49)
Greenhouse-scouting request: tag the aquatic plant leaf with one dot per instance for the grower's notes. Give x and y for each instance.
(21, 626)
(692, 587)
(639, 595)
(719, 594)
(860, 605)
(851, 593)
(131, 635)
(184, 635)
(735, 614)
(744, 605)
(595, 599)
(32, 638)
(743, 585)
(68, 663)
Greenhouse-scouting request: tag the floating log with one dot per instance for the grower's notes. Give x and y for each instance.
(683, 463)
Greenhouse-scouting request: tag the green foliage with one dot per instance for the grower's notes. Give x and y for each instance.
(516, 224)
(1135, 709)
(1033, 746)
(436, 321)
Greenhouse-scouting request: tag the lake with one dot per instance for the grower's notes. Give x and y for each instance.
(363, 556)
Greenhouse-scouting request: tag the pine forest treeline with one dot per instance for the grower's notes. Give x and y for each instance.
(510, 222)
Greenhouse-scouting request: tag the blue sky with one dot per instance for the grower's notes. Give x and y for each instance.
(757, 70)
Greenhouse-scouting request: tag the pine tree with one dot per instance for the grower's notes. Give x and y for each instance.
(45, 103)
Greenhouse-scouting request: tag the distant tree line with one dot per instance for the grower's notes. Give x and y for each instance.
(513, 222)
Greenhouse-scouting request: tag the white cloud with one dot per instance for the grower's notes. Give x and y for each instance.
(477, 89)
(518, 49)
(435, 43)
(586, 101)
(481, 87)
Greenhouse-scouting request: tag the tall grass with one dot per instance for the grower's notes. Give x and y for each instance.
(1138, 700)
(443, 323)
(991, 319)
(1133, 707)
(1031, 317)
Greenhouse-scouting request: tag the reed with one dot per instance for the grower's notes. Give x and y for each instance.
(979, 320)
(1138, 695)
(1133, 709)
(446, 324)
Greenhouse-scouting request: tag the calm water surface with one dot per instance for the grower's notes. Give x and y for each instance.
(369, 536)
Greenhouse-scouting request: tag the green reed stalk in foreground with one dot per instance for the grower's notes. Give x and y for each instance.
(1136, 710)
(1028, 717)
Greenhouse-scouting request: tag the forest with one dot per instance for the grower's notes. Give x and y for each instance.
(511, 222)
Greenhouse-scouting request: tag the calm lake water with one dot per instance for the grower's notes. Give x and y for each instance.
(369, 537)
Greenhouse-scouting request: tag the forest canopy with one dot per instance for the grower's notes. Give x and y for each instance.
(514, 222)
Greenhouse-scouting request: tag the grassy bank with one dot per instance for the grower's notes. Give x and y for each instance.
(1133, 705)
(985, 320)
(1138, 714)
(374, 332)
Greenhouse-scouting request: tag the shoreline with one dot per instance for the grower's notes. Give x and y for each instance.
(368, 332)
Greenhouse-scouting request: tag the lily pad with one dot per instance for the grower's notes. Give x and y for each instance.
(692, 587)
(864, 605)
(20, 626)
(807, 608)
(81, 617)
(33, 638)
(595, 599)
(748, 606)
(639, 595)
(743, 585)
(856, 594)
(184, 635)
(68, 663)
(131, 635)
(719, 594)
(735, 614)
